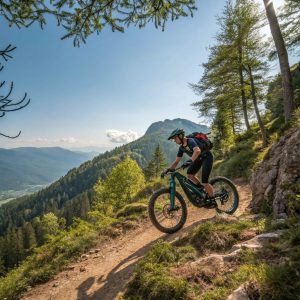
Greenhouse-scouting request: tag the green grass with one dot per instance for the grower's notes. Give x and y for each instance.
(152, 278)
(215, 236)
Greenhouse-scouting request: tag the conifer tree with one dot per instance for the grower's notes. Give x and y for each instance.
(235, 70)
(290, 17)
(156, 164)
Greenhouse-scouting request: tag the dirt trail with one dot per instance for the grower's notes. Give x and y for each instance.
(103, 275)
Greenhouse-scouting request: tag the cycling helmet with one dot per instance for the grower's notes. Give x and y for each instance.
(175, 132)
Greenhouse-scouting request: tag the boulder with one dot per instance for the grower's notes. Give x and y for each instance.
(239, 294)
(276, 176)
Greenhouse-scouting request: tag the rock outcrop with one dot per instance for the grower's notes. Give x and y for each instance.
(274, 181)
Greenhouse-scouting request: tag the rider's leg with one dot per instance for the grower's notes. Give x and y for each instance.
(192, 171)
(206, 169)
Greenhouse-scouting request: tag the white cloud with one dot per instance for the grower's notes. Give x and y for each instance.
(69, 140)
(116, 136)
(42, 140)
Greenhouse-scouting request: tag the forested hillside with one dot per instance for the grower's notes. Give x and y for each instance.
(72, 195)
(22, 167)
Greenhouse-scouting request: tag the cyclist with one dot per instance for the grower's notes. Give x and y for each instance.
(200, 156)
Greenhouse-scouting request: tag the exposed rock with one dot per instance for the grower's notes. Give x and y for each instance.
(273, 179)
(55, 284)
(247, 234)
(277, 222)
(84, 256)
(239, 294)
(82, 269)
(253, 217)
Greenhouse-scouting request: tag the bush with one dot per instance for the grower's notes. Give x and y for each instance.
(132, 209)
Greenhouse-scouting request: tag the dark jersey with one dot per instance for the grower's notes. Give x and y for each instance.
(191, 144)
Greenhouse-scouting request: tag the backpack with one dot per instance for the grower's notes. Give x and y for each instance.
(203, 138)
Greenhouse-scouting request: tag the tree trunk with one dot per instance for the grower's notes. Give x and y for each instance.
(243, 95)
(288, 94)
(259, 120)
(232, 122)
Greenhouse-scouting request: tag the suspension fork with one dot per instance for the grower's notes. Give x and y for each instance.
(172, 191)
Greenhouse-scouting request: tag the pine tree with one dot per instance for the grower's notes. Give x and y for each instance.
(156, 164)
(290, 17)
(235, 70)
(29, 236)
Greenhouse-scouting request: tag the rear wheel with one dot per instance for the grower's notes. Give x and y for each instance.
(162, 216)
(227, 197)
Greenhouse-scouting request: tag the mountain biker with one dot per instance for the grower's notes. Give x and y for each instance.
(200, 156)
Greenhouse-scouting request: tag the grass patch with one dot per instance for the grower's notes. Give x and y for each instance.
(136, 209)
(214, 236)
(152, 278)
(225, 284)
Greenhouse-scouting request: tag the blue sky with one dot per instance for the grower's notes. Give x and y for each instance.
(111, 88)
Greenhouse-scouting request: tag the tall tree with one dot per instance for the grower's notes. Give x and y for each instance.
(156, 164)
(288, 94)
(235, 69)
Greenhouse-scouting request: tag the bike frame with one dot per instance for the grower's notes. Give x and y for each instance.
(189, 189)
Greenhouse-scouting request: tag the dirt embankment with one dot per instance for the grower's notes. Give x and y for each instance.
(103, 274)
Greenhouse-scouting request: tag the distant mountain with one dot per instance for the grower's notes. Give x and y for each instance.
(91, 149)
(167, 126)
(28, 166)
(72, 194)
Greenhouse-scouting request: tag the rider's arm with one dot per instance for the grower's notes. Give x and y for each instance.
(196, 153)
(175, 162)
(196, 149)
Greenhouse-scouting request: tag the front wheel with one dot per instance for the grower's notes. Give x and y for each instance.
(226, 195)
(162, 216)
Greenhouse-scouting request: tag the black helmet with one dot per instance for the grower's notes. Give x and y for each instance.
(175, 132)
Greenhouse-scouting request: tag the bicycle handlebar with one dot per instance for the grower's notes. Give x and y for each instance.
(168, 172)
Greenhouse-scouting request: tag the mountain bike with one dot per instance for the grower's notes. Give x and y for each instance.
(167, 208)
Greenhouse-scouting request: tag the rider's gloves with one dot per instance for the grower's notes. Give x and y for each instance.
(187, 163)
(166, 171)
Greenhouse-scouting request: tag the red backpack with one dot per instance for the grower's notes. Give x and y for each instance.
(202, 137)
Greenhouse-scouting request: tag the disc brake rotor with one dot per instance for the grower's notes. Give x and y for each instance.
(169, 213)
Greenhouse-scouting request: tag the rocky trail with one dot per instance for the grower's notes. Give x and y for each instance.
(104, 271)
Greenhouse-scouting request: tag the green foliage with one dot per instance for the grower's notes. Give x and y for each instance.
(214, 236)
(81, 19)
(224, 285)
(234, 74)
(290, 16)
(275, 92)
(121, 185)
(50, 224)
(156, 165)
(48, 260)
(132, 209)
